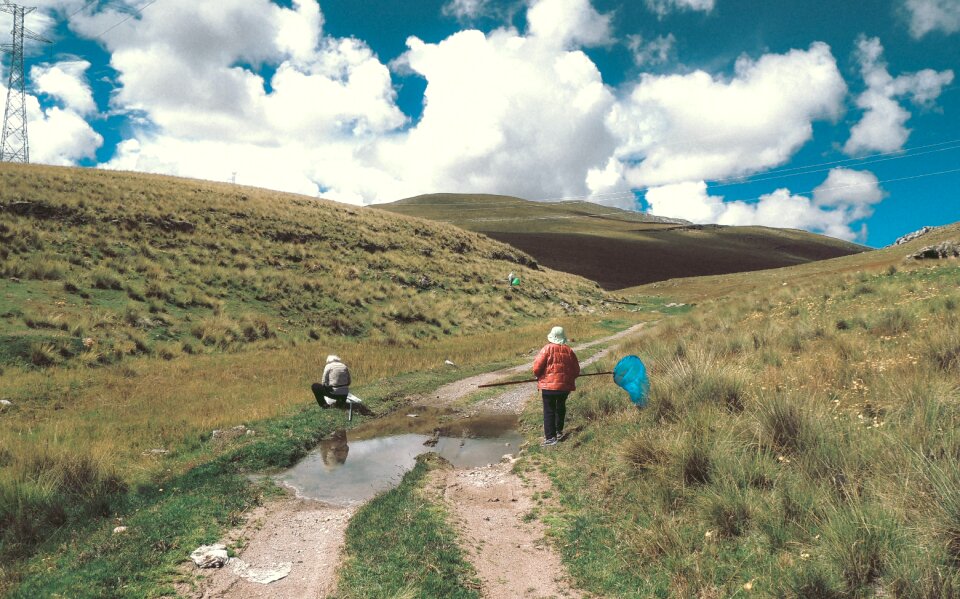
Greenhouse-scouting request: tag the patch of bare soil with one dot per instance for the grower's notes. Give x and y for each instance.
(492, 509)
(303, 536)
(669, 253)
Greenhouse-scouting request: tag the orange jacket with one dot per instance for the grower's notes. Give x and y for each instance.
(556, 368)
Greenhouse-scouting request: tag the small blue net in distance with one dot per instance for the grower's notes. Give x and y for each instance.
(631, 375)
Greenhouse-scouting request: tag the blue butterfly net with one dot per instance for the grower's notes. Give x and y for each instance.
(631, 375)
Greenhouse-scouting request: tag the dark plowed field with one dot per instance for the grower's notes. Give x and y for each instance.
(616, 263)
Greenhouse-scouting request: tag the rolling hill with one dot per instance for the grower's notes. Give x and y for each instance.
(618, 248)
(97, 265)
(709, 287)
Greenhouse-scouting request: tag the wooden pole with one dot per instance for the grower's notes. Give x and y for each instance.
(535, 380)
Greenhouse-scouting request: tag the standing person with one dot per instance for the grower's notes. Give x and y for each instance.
(335, 383)
(556, 369)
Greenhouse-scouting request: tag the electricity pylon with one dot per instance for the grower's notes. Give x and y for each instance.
(14, 145)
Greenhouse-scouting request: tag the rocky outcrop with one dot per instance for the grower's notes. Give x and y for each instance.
(664, 220)
(914, 235)
(947, 249)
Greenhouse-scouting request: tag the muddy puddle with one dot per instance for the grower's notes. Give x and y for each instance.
(351, 467)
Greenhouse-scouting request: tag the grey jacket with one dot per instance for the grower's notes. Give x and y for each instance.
(337, 375)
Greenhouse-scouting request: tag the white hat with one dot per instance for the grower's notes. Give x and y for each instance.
(557, 336)
(333, 358)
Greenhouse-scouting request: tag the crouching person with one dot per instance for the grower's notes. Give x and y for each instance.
(335, 383)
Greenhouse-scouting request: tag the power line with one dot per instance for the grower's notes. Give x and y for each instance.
(125, 19)
(779, 173)
(621, 212)
(773, 174)
(81, 9)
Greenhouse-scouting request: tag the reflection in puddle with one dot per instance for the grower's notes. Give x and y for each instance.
(341, 471)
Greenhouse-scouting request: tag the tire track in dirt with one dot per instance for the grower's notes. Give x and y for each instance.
(492, 511)
(490, 505)
(308, 535)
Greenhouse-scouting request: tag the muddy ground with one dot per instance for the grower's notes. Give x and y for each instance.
(491, 507)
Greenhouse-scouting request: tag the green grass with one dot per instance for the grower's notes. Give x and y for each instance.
(77, 447)
(401, 544)
(778, 450)
(98, 254)
(166, 517)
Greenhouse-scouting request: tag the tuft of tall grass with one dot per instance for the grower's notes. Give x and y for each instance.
(44, 487)
(862, 539)
(696, 462)
(784, 425)
(643, 451)
(811, 581)
(892, 323)
(943, 349)
(103, 278)
(600, 405)
(727, 509)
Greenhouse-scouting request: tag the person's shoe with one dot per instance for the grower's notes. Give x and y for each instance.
(561, 437)
(548, 442)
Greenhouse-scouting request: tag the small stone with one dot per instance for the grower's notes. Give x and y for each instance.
(119, 530)
(210, 556)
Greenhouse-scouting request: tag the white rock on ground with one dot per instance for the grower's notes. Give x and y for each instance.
(264, 575)
(210, 556)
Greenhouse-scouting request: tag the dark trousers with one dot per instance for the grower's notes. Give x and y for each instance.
(322, 391)
(554, 412)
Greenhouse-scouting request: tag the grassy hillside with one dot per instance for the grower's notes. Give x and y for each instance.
(800, 441)
(619, 248)
(99, 265)
(139, 313)
(694, 289)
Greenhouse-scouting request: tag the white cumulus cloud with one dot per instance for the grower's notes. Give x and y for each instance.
(59, 134)
(568, 23)
(845, 198)
(505, 112)
(466, 10)
(653, 52)
(662, 8)
(261, 90)
(697, 126)
(66, 82)
(883, 125)
(933, 15)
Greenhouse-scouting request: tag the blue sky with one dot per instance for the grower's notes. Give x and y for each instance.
(836, 117)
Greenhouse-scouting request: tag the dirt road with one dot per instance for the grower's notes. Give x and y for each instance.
(491, 507)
